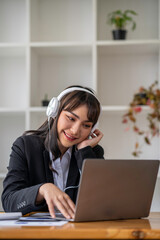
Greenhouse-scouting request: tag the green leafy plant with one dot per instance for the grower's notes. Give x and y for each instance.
(151, 98)
(121, 19)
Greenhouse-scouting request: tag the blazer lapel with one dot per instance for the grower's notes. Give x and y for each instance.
(73, 178)
(73, 172)
(48, 172)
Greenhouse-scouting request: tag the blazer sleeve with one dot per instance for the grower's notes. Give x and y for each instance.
(18, 194)
(88, 152)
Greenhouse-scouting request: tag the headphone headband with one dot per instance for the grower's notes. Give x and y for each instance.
(53, 106)
(68, 90)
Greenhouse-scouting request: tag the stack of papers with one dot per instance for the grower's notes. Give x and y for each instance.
(10, 216)
(37, 219)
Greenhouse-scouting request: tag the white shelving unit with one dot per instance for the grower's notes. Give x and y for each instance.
(47, 45)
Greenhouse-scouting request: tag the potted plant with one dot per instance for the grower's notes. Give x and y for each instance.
(120, 19)
(45, 101)
(151, 98)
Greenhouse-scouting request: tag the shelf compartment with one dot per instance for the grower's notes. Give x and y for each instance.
(12, 126)
(122, 70)
(54, 20)
(37, 118)
(55, 68)
(119, 143)
(13, 23)
(146, 20)
(13, 77)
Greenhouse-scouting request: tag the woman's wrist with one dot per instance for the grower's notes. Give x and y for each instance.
(40, 197)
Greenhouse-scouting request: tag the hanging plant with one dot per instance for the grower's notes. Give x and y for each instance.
(151, 98)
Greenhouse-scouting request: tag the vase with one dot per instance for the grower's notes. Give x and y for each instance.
(45, 103)
(119, 34)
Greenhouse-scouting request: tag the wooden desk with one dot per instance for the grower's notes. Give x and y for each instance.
(148, 228)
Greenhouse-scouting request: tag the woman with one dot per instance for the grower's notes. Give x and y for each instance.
(45, 164)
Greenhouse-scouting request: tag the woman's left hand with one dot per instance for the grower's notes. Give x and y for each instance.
(92, 141)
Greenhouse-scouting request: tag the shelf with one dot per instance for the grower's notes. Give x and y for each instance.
(122, 108)
(12, 126)
(62, 50)
(73, 18)
(65, 66)
(60, 44)
(43, 109)
(148, 43)
(128, 42)
(122, 70)
(37, 109)
(13, 26)
(119, 143)
(128, 47)
(147, 27)
(12, 50)
(13, 45)
(5, 111)
(37, 118)
(13, 73)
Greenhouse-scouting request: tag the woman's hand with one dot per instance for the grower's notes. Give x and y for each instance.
(56, 198)
(94, 139)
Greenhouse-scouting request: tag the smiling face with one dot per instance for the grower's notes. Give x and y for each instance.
(73, 127)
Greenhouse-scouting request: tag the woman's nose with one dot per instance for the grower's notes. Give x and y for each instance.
(75, 129)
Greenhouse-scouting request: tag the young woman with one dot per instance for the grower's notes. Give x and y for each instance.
(45, 164)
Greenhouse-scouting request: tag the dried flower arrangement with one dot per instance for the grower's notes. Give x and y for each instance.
(151, 98)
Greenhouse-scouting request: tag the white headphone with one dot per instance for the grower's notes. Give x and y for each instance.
(53, 106)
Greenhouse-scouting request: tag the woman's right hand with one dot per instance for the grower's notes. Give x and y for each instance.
(56, 198)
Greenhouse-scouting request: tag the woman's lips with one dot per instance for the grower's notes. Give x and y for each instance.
(69, 137)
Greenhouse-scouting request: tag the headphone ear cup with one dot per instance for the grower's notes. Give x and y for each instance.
(94, 128)
(52, 108)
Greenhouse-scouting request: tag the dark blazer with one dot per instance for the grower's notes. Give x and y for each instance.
(29, 169)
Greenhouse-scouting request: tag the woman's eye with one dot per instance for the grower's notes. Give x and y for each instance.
(87, 126)
(70, 118)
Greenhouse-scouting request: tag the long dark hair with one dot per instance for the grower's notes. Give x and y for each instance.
(48, 130)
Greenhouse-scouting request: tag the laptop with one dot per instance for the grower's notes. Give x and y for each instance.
(114, 190)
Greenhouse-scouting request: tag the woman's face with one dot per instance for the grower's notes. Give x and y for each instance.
(73, 127)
